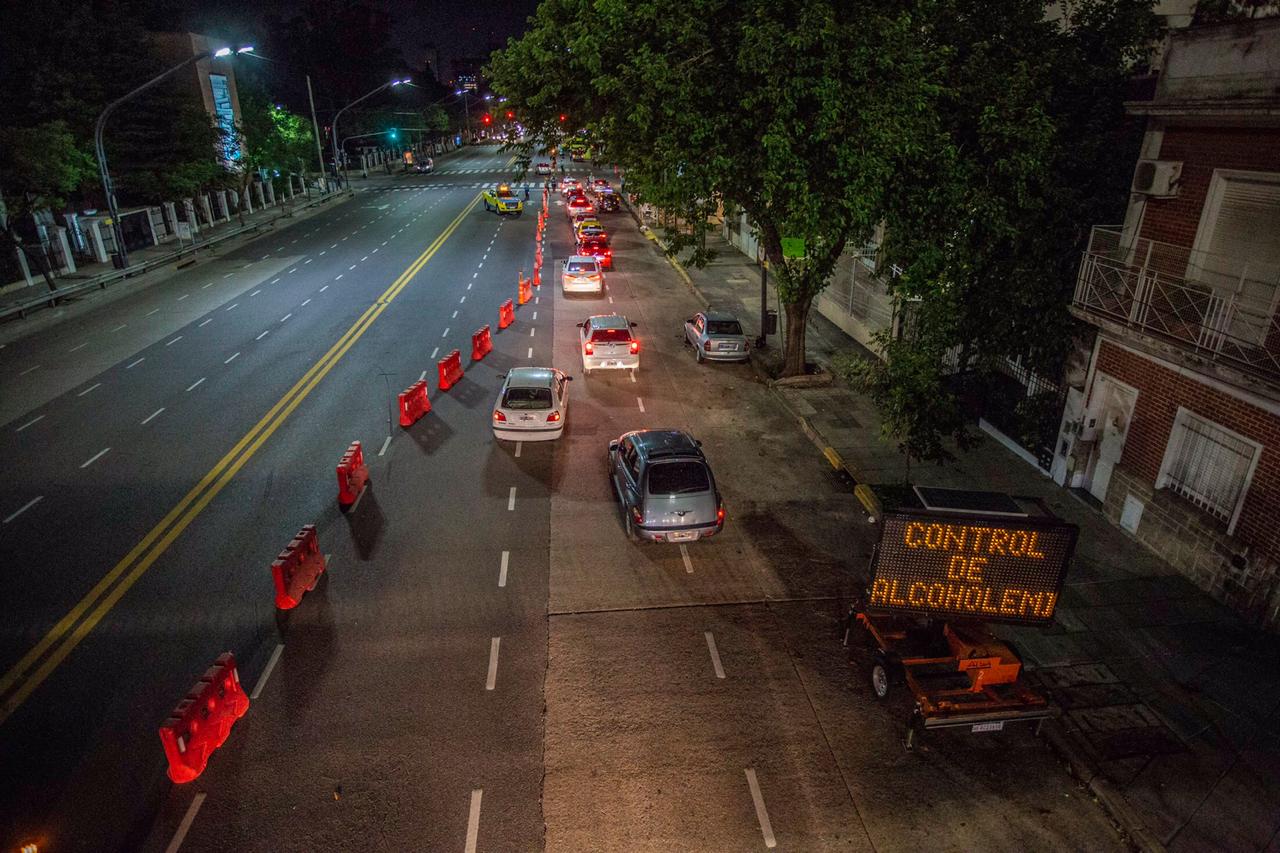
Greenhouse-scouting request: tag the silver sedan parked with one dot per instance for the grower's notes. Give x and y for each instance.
(716, 336)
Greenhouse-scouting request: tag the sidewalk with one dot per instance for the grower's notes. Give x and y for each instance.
(1170, 705)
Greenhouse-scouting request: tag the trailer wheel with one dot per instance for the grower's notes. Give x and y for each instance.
(879, 680)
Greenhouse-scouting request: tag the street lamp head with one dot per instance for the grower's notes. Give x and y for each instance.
(222, 51)
(458, 92)
(488, 97)
(248, 48)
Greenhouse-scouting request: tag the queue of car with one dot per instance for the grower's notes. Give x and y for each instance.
(661, 478)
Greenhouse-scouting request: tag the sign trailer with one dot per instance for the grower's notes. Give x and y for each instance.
(938, 575)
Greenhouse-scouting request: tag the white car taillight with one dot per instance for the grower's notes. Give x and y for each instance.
(553, 417)
(498, 417)
(589, 349)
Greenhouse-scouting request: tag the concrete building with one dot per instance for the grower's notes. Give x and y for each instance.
(212, 80)
(1176, 431)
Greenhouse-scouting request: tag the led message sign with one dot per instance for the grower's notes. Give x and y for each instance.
(953, 565)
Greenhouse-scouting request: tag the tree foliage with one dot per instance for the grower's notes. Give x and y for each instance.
(795, 112)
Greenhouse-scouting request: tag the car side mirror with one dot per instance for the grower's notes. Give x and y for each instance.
(613, 445)
(697, 442)
(580, 325)
(568, 379)
(633, 325)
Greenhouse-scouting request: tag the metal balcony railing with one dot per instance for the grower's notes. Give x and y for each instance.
(1202, 301)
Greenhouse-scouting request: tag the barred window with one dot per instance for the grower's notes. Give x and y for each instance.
(1208, 465)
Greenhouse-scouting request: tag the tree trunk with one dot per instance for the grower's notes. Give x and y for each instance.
(797, 322)
(41, 261)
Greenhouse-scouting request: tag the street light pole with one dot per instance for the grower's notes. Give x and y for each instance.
(338, 115)
(316, 126)
(122, 254)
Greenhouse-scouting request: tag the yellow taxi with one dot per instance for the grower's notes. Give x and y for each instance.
(503, 199)
(591, 223)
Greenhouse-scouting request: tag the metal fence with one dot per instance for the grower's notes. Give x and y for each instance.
(1193, 298)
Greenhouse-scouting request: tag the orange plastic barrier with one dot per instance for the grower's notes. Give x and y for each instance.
(506, 314)
(537, 257)
(297, 569)
(414, 403)
(526, 290)
(203, 719)
(481, 343)
(450, 370)
(352, 475)
(537, 276)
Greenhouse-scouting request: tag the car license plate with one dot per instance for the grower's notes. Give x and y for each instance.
(611, 364)
(683, 536)
(988, 727)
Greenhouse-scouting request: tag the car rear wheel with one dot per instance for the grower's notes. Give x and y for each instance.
(697, 354)
(629, 524)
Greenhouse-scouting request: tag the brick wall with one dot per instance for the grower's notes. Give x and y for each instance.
(1201, 150)
(1188, 538)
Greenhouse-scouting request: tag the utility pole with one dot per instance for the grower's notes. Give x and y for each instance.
(316, 127)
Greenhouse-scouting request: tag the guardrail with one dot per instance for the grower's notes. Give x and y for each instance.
(100, 282)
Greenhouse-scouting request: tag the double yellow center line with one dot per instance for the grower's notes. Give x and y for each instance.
(36, 665)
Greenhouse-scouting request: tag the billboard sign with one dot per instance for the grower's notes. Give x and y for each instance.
(996, 570)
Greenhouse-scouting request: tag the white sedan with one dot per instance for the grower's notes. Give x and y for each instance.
(582, 274)
(532, 405)
(543, 168)
(606, 343)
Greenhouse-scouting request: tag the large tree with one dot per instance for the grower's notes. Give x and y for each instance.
(796, 111)
(985, 223)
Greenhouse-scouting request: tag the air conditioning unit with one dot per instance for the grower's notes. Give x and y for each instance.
(1157, 178)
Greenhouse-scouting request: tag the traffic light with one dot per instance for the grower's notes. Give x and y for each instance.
(563, 116)
(488, 119)
(393, 133)
(510, 115)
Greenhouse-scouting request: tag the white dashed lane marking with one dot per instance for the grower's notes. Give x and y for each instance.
(28, 505)
(194, 384)
(149, 418)
(95, 457)
(36, 419)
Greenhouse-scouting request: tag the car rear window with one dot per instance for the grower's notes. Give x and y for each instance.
(723, 327)
(610, 336)
(590, 247)
(579, 267)
(527, 398)
(678, 478)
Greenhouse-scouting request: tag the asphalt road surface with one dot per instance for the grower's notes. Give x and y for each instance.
(487, 664)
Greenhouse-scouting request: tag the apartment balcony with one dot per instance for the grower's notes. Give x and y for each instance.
(1210, 306)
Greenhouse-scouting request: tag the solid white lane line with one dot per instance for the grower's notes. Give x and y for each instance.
(121, 326)
(90, 388)
(530, 352)
(385, 445)
(255, 293)
(473, 821)
(233, 358)
(492, 679)
(435, 351)
(640, 403)
(684, 555)
(446, 333)
(303, 305)
(95, 457)
(232, 306)
(194, 384)
(29, 504)
(266, 672)
(205, 323)
(511, 499)
(286, 316)
(29, 423)
(29, 369)
(136, 363)
(183, 828)
(762, 815)
(174, 341)
(715, 654)
(502, 572)
(183, 296)
(323, 289)
(154, 311)
(149, 418)
(263, 335)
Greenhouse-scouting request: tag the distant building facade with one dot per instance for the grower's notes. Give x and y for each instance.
(213, 80)
(1176, 431)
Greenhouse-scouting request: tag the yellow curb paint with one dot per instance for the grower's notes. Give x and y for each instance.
(833, 458)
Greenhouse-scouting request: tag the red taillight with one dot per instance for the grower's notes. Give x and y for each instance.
(589, 349)
(553, 417)
(594, 276)
(498, 417)
(720, 515)
(637, 515)
(635, 347)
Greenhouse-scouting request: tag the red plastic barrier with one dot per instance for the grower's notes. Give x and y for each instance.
(352, 475)
(203, 719)
(537, 257)
(481, 343)
(450, 370)
(506, 314)
(297, 569)
(537, 276)
(526, 290)
(414, 403)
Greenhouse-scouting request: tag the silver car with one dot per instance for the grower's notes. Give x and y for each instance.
(606, 343)
(716, 336)
(582, 274)
(532, 405)
(665, 486)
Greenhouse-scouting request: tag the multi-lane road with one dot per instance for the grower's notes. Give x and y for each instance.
(488, 664)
